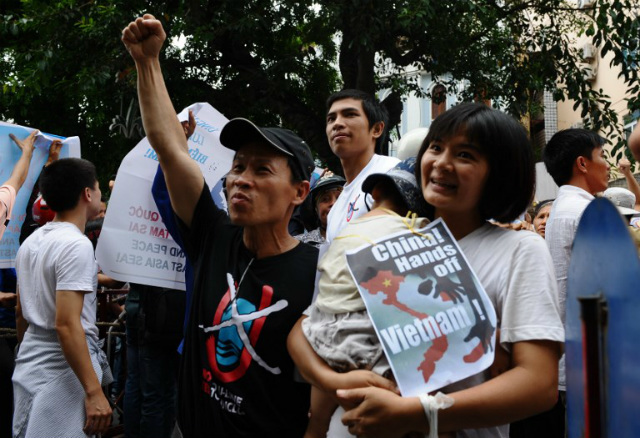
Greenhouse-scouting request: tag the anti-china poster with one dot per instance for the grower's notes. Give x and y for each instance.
(432, 315)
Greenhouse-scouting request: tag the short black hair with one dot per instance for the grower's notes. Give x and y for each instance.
(62, 182)
(511, 181)
(374, 110)
(390, 193)
(564, 148)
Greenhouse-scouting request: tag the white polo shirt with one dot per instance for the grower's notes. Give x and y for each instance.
(351, 202)
(559, 233)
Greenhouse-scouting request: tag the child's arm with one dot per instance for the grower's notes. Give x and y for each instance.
(322, 408)
(319, 374)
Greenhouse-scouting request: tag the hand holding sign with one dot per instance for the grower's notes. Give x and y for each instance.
(189, 126)
(19, 172)
(28, 144)
(54, 151)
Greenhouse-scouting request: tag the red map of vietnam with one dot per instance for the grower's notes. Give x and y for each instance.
(388, 284)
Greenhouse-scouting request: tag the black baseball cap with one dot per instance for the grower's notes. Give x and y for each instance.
(403, 178)
(326, 183)
(239, 131)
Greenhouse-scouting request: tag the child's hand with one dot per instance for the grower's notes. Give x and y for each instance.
(364, 379)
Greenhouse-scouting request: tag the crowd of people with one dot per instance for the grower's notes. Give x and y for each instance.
(272, 337)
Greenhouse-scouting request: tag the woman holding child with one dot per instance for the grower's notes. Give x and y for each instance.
(475, 164)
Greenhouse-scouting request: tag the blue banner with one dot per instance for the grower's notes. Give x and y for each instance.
(9, 155)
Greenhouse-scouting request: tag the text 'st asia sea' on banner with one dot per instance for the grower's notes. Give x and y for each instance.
(435, 322)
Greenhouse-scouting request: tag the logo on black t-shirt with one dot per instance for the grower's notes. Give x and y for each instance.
(236, 328)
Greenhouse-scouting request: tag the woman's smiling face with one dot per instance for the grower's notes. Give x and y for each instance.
(454, 174)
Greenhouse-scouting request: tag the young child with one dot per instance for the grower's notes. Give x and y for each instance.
(338, 327)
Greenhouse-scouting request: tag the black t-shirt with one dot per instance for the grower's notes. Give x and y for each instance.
(236, 377)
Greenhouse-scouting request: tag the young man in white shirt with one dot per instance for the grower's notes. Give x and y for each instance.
(356, 124)
(576, 160)
(60, 368)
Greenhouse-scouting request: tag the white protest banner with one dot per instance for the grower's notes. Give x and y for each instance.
(432, 315)
(9, 155)
(134, 244)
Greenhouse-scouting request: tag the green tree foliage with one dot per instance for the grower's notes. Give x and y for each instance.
(64, 70)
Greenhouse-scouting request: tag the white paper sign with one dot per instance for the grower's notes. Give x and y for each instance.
(433, 318)
(134, 244)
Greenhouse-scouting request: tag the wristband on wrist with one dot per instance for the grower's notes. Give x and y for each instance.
(431, 405)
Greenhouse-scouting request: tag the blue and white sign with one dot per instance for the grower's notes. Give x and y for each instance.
(134, 244)
(9, 155)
